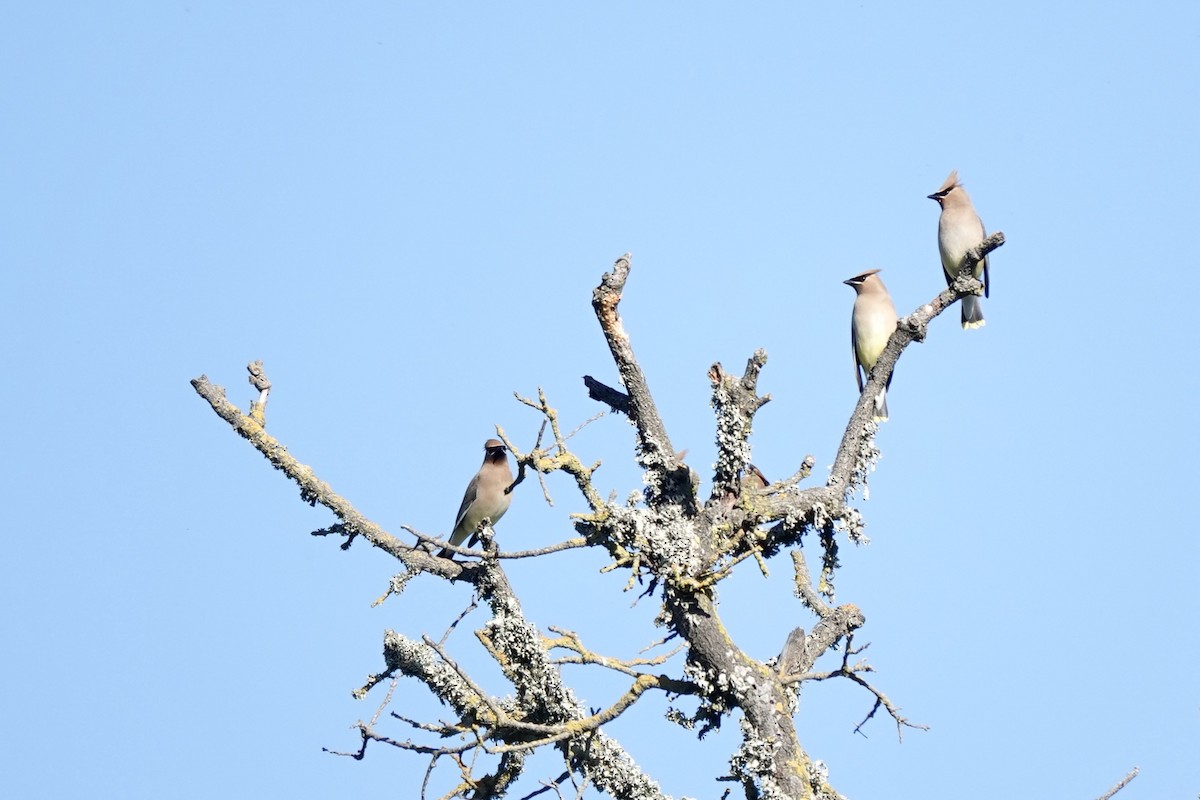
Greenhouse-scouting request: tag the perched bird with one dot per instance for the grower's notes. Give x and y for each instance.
(484, 497)
(960, 229)
(871, 326)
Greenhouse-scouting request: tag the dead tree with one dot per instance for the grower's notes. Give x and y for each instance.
(678, 545)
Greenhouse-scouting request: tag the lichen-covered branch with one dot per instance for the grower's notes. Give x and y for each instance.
(736, 401)
(544, 698)
(770, 756)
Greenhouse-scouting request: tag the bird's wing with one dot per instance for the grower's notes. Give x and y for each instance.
(987, 280)
(854, 355)
(468, 498)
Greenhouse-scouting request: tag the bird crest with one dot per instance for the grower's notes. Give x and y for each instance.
(950, 182)
(859, 278)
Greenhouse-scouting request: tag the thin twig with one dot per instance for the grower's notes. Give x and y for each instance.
(881, 699)
(471, 606)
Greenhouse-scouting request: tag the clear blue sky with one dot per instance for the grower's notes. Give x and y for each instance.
(403, 211)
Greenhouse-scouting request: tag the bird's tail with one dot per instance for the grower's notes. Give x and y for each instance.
(972, 312)
(881, 412)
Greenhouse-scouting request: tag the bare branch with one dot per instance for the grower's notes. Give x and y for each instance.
(471, 606)
(565, 460)
(594, 722)
(395, 586)
(668, 479)
(881, 699)
(792, 654)
(615, 399)
(834, 624)
(312, 489)
(258, 379)
(569, 544)
(598, 415)
(569, 640)
(806, 468)
(337, 529)
(1121, 784)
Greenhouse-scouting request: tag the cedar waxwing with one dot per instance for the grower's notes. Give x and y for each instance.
(871, 326)
(960, 229)
(484, 497)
